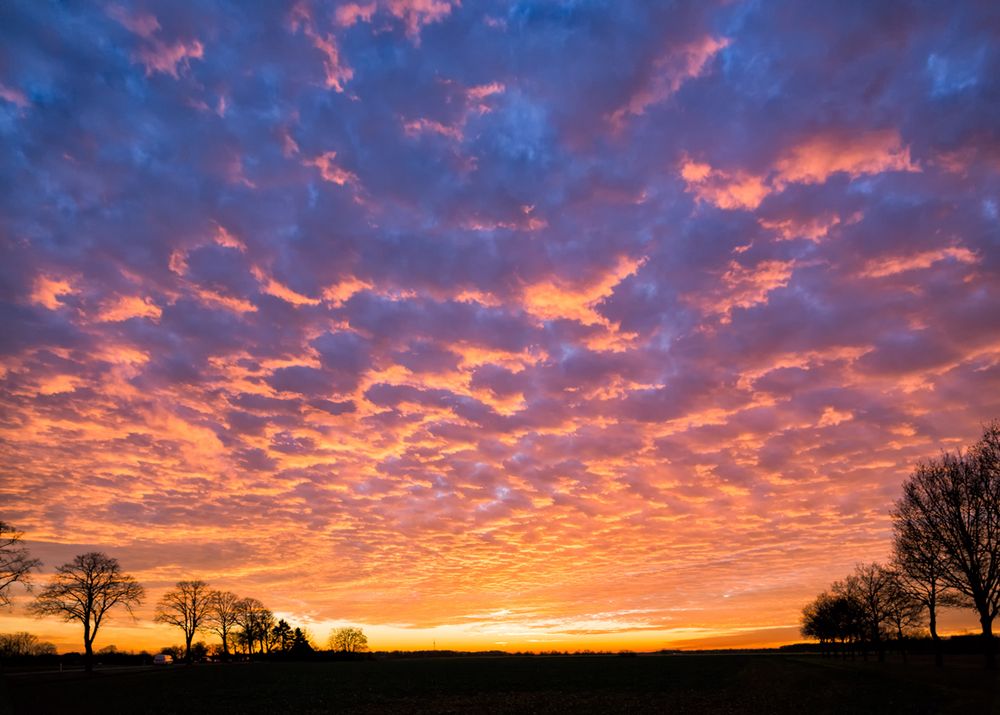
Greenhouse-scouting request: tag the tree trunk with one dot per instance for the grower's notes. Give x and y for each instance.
(932, 624)
(88, 657)
(88, 648)
(187, 647)
(987, 624)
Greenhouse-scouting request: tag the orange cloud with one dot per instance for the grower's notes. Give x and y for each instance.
(811, 161)
(129, 306)
(727, 190)
(882, 267)
(330, 171)
(668, 73)
(46, 291)
(815, 159)
(551, 300)
(270, 286)
(745, 287)
(813, 229)
(339, 293)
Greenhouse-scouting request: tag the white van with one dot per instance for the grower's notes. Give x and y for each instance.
(163, 659)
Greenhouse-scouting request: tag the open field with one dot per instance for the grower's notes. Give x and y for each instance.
(676, 684)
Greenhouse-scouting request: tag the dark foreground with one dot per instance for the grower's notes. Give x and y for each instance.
(611, 684)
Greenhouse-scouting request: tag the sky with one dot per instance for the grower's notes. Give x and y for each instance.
(525, 325)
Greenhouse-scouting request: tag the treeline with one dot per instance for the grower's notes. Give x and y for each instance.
(945, 552)
(87, 588)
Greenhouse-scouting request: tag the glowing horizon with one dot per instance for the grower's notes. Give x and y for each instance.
(491, 324)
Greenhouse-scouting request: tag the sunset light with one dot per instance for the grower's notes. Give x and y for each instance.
(520, 326)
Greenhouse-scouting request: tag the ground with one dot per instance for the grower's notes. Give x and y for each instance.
(539, 684)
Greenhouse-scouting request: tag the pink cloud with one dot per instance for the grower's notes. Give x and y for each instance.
(14, 96)
(882, 267)
(48, 291)
(168, 57)
(142, 24)
(329, 170)
(668, 73)
(336, 72)
(725, 189)
(745, 287)
(813, 160)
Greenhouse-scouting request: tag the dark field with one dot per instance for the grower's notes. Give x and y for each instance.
(673, 684)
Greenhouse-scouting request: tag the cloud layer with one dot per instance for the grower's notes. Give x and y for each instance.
(525, 323)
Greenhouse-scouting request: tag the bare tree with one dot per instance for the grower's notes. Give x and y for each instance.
(85, 590)
(255, 622)
(904, 611)
(186, 607)
(920, 568)
(348, 640)
(870, 586)
(221, 616)
(953, 504)
(15, 563)
(21, 644)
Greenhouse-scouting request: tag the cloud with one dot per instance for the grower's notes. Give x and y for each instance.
(668, 72)
(517, 310)
(813, 160)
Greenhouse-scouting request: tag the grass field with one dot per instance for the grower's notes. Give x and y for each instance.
(611, 684)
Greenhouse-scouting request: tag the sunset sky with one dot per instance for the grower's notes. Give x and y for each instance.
(524, 325)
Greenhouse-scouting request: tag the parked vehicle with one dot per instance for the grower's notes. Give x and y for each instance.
(163, 659)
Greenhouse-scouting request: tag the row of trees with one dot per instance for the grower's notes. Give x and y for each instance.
(946, 552)
(92, 584)
(245, 623)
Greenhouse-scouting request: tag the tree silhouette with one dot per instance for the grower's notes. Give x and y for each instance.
(300, 643)
(920, 568)
(17, 645)
(186, 607)
(953, 504)
(85, 590)
(255, 623)
(348, 640)
(871, 587)
(221, 616)
(282, 636)
(15, 563)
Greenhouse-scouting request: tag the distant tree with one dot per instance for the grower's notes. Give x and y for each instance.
(282, 636)
(221, 616)
(185, 606)
(301, 643)
(953, 504)
(833, 617)
(21, 644)
(198, 651)
(85, 590)
(817, 622)
(255, 622)
(348, 640)
(904, 611)
(15, 563)
(871, 588)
